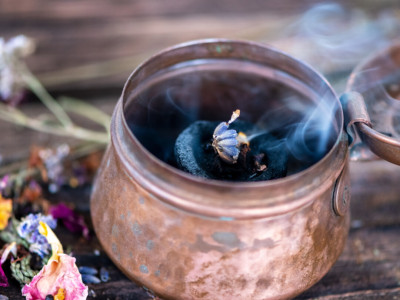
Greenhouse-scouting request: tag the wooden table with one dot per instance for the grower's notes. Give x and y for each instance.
(72, 33)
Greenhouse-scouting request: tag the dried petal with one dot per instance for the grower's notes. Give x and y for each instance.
(5, 211)
(231, 151)
(4, 182)
(220, 129)
(55, 275)
(3, 278)
(229, 157)
(71, 220)
(19, 46)
(228, 143)
(11, 82)
(231, 133)
(60, 272)
(60, 294)
(11, 248)
(52, 239)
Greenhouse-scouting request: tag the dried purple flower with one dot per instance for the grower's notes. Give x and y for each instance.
(225, 142)
(4, 182)
(71, 220)
(28, 230)
(53, 161)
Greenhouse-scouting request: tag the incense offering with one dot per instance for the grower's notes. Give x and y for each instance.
(235, 150)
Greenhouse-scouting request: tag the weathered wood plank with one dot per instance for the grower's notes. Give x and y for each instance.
(71, 34)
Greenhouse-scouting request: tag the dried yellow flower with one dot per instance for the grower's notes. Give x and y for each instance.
(5, 211)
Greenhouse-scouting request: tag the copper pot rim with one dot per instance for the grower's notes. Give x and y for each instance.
(286, 203)
(369, 60)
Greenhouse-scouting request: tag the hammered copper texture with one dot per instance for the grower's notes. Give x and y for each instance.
(181, 255)
(163, 233)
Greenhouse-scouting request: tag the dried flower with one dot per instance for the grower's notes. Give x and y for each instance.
(53, 161)
(3, 278)
(11, 82)
(5, 211)
(60, 294)
(32, 191)
(4, 182)
(71, 220)
(59, 273)
(225, 142)
(28, 230)
(10, 248)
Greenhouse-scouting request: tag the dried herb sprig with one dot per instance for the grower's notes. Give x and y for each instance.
(22, 271)
(16, 76)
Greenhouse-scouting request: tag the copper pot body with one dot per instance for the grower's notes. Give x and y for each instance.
(184, 237)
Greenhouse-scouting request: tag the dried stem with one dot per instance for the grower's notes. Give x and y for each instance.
(38, 89)
(64, 126)
(16, 116)
(87, 110)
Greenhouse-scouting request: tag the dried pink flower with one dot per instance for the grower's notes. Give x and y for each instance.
(60, 272)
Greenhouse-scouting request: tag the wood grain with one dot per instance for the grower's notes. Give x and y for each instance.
(73, 36)
(105, 39)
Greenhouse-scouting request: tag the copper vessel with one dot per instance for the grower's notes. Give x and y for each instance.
(184, 237)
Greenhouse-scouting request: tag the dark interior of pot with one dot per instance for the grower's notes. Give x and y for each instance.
(304, 124)
(378, 80)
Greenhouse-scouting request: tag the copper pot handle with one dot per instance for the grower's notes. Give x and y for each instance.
(355, 111)
(366, 143)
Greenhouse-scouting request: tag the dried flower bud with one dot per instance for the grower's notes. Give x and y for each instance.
(11, 53)
(225, 142)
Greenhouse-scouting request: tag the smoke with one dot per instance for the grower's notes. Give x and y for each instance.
(380, 87)
(311, 138)
(331, 37)
(334, 39)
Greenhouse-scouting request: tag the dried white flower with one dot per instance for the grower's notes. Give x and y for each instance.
(11, 52)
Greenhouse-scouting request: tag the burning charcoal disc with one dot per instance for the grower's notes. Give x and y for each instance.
(266, 159)
(189, 148)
